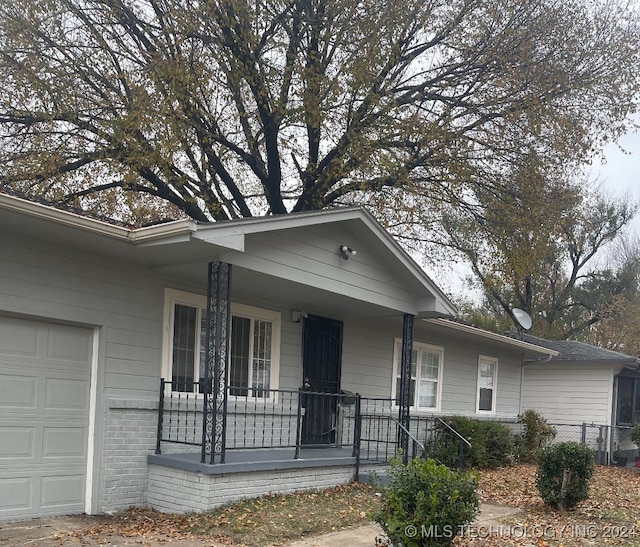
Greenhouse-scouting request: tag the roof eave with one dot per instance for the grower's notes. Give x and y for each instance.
(148, 234)
(492, 336)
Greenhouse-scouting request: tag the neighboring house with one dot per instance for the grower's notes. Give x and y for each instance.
(584, 384)
(313, 306)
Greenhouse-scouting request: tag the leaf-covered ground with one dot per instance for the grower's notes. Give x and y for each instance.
(611, 515)
(271, 520)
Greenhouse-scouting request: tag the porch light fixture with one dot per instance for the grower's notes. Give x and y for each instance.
(297, 316)
(347, 252)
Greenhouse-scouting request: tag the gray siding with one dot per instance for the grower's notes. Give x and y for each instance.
(290, 351)
(569, 393)
(368, 366)
(126, 303)
(310, 256)
(61, 284)
(367, 358)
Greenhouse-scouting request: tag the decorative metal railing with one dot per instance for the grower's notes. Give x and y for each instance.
(280, 418)
(259, 418)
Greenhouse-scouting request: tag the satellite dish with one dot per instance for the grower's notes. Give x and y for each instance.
(522, 317)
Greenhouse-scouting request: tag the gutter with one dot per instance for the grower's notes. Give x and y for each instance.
(100, 227)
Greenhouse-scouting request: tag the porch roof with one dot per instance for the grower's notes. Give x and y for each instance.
(381, 280)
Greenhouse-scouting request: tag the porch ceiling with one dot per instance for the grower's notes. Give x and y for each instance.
(258, 286)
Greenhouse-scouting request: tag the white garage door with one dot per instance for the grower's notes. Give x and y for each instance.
(44, 418)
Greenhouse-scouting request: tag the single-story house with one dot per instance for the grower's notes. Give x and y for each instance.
(589, 393)
(184, 365)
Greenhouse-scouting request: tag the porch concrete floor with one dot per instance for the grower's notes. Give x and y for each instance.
(240, 461)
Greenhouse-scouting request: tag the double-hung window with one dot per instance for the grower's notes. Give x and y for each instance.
(253, 349)
(426, 375)
(487, 379)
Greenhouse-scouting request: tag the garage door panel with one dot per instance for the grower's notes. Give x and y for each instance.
(44, 418)
(64, 442)
(17, 442)
(68, 345)
(62, 491)
(63, 393)
(17, 391)
(19, 338)
(15, 494)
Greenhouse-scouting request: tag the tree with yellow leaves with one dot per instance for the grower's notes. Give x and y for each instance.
(219, 109)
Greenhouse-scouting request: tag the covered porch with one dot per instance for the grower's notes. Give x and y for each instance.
(264, 453)
(228, 406)
(285, 429)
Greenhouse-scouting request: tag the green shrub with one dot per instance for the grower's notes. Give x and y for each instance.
(444, 447)
(564, 471)
(491, 443)
(536, 435)
(426, 503)
(498, 445)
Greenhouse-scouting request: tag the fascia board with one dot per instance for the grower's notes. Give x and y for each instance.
(492, 336)
(171, 232)
(144, 235)
(281, 222)
(67, 218)
(228, 240)
(436, 307)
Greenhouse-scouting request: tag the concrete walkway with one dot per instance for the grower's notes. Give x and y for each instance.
(59, 532)
(365, 536)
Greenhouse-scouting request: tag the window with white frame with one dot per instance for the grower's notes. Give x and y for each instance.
(253, 350)
(487, 378)
(426, 375)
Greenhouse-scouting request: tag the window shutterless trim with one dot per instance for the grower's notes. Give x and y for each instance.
(494, 388)
(395, 372)
(175, 296)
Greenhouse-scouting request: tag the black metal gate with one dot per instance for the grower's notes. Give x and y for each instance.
(322, 357)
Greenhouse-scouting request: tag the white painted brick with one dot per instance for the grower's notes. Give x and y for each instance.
(197, 492)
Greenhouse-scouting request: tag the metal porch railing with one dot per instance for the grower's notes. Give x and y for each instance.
(260, 418)
(295, 419)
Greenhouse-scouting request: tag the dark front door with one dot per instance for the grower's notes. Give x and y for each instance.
(321, 360)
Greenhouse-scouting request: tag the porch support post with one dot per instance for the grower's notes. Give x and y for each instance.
(216, 375)
(405, 384)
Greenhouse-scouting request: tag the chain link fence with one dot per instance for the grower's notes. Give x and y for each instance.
(611, 444)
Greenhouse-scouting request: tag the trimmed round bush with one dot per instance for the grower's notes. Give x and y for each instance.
(564, 471)
(427, 504)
